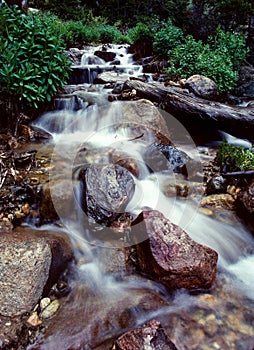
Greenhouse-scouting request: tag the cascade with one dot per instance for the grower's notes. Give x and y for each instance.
(98, 125)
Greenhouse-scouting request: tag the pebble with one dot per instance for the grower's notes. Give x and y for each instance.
(206, 211)
(50, 310)
(34, 320)
(44, 303)
(25, 209)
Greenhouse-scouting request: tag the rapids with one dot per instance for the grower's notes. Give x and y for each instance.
(100, 296)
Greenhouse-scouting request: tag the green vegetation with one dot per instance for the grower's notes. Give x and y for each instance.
(32, 63)
(80, 32)
(218, 59)
(234, 158)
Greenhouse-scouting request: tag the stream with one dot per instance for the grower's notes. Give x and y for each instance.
(106, 300)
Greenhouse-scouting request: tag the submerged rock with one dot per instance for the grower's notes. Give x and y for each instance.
(150, 336)
(220, 200)
(107, 190)
(171, 257)
(30, 263)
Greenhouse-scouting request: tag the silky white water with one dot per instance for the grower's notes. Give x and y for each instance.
(103, 304)
(92, 129)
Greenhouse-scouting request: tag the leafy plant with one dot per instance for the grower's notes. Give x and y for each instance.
(32, 63)
(234, 158)
(141, 32)
(228, 44)
(167, 38)
(219, 59)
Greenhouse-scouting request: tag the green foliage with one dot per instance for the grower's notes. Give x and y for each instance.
(228, 44)
(234, 158)
(219, 59)
(83, 33)
(167, 38)
(141, 32)
(32, 65)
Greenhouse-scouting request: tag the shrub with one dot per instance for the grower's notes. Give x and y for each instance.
(141, 32)
(167, 38)
(110, 34)
(234, 158)
(229, 44)
(32, 65)
(219, 59)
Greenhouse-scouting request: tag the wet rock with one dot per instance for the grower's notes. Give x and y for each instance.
(170, 256)
(34, 320)
(160, 157)
(107, 191)
(50, 310)
(30, 263)
(107, 56)
(222, 200)
(149, 336)
(74, 55)
(145, 121)
(56, 200)
(202, 87)
(246, 196)
(217, 184)
(171, 187)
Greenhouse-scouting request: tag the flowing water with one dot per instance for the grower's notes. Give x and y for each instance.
(105, 300)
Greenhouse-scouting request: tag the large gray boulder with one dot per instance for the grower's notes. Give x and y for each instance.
(30, 263)
(171, 257)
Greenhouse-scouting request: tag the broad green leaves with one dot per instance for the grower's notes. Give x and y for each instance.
(32, 65)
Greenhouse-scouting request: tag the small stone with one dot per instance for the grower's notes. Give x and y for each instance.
(34, 320)
(206, 211)
(50, 310)
(44, 303)
(25, 209)
(19, 215)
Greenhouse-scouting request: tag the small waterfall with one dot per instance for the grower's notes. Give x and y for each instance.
(92, 65)
(90, 129)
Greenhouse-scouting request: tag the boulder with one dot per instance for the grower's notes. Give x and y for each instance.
(30, 263)
(146, 122)
(107, 190)
(170, 256)
(202, 87)
(107, 56)
(149, 336)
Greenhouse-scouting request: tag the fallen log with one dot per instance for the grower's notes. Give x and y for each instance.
(191, 110)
